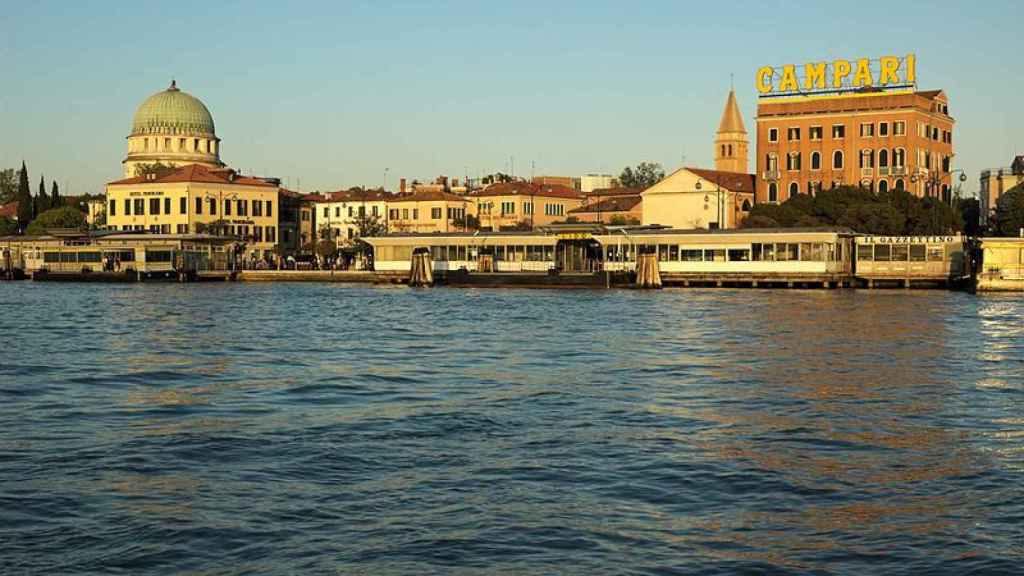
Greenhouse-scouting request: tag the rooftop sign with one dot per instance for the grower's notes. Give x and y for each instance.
(839, 76)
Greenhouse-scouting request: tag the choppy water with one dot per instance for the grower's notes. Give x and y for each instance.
(327, 429)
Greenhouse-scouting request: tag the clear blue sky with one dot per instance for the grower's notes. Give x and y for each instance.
(334, 93)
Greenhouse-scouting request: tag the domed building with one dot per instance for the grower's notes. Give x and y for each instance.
(172, 128)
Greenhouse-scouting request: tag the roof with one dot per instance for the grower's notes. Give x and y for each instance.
(172, 111)
(732, 181)
(732, 120)
(9, 210)
(619, 191)
(355, 195)
(427, 196)
(613, 204)
(527, 189)
(198, 173)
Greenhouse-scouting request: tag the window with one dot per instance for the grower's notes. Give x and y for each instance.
(127, 207)
(271, 234)
(113, 208)
(327, 212)
(816, 132)
(773, 192)
(793, 134)
(167, 143)
(270, 209)
(794, 189)
(793, 161)
(393, 214)
(867, 130)
(839, 131)
(257, 208)
(337, 212)
(508, 208)
(772, 163)
(181, 143)
(350, 213)
(405, 213)
(140, 206)
(899, 158)
(199, 205)
(883, 252)
(883, 158)
(883, 128)
(435, 213)
(213, 206)
(527, 207)
(243, 207)
(227, 207)
(883, 186)
(899, 128)
(195, 144)
(183, 205)
(837, 160)
(167, 205)
(554, 209)
(815, 160)
(181, 229)
(773, 134)
(899, 184)
(362, 212)
(867, 159)
(415, 213)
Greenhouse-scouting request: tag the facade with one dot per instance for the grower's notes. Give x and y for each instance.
(1002, 264)
(731, 145)
(428, 211)
(172, 128)
(871, 138)
(617, 209)
(94, 209)
(566, 181)
(996, 181)
(523, 205)
(195, 199)
(338, 214)
(693, 198)
(591, 182)
(295, 222)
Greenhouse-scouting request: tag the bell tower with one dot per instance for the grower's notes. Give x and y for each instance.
(731, 140)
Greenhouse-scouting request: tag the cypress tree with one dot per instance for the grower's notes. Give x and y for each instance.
(42, 198)
(55, 196)
(24, 198)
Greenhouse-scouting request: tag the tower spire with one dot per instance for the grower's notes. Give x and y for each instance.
(174, 85)
(731, 140)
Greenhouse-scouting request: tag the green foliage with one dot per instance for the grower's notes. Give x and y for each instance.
(24, 198)
(469, 222)
(1009, 218)
(620, 220)
(495, 178)
(8, 185)
(645, 175)
(158, 168)
(63, 217)
(327, 248)
(42, 199)
(55, 196)
(970, 213)
(886, 213)
(8, 227)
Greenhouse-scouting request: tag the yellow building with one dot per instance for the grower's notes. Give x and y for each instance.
(1002, 264)
(996, 181)
(691, 198)
(524, 205)
(428, 211)
(172, 128)
(194, 199)
(339, 214)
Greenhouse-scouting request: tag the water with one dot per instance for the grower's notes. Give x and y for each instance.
(330, 429)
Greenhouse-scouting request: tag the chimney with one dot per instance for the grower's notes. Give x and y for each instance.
(401, 186)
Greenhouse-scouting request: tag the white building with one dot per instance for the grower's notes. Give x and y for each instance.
(692, 198)
(337, 214)
(591, 182)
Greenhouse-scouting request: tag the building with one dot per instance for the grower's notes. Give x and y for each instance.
(566, 181)
(591, 182)
(95, 208)
(996, 181)
(295, 222)
(428, 211)
(195, 199)
(1002, 264)
(522, 205)
(872, 137)
(340, 215)
(172, 128)
(731, 145)
(692, 198)
(618, 209)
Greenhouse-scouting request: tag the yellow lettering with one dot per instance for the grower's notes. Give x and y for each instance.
(764, 79)
(889, 67)
(814, 76)
(863, 75)
(911, 69)
(788, 82)
(840, 70)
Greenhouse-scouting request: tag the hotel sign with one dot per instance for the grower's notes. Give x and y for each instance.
(837, 76)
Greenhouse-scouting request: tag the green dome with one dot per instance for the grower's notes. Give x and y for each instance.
(172, 112)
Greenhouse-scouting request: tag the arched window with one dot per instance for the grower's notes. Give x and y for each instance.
(867, 159)
(773, 192)
(730, 150)
(837, 160)
(883, 186)
(723, 149)
(794, 189)
(793, 161)
(815, 160)
(899, 158)
(746, 206)
(883, 158)
(772, 163)
(899, 184)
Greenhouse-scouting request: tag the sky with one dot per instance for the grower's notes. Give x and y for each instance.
(327, 95)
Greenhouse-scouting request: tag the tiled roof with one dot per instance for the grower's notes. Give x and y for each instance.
(732, 120)
(427, 196)
(527, 189)
(613, 204)
(733, 181)
(198, 173)
(356, 195)
(9, 210)
(619, 191)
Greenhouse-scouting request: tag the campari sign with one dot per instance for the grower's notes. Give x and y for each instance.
(888, 73)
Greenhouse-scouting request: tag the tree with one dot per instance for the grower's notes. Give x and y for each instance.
(42, 199)
(326, 248)
(55, 196)
(970, 213)
(63, 217)
(8, 227)
(24, 199)
(158, 168)
(467, 222)
(1009, 217)
(8, 186)
(645, 175)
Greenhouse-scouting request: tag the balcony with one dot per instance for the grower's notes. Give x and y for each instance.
(899, 171)
(867, 172)
(770, 175)
(883, 170)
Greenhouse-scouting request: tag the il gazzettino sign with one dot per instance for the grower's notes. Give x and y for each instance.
(889, 73)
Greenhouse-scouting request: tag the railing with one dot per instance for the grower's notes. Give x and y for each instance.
(883, 170)
(899, 171)
(770, 175)
(867, 172)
